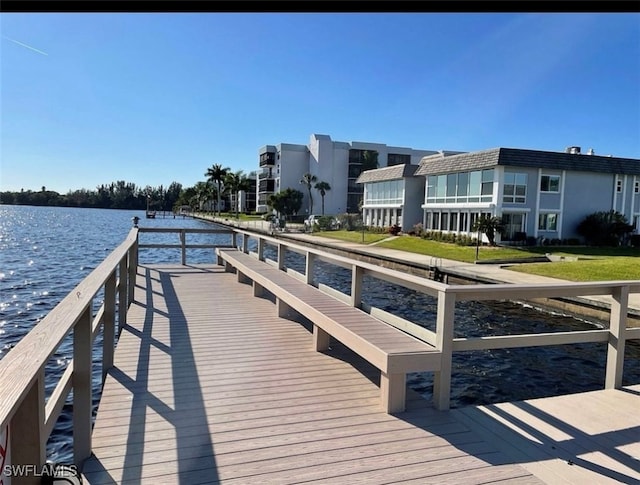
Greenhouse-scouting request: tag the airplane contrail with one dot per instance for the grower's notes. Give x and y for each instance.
(25, 45)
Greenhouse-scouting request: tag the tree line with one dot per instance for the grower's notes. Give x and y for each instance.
(219, 191)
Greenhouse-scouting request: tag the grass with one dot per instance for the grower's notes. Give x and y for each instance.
(594, 264)
(352, 236)
(466, 254)
(606, 269)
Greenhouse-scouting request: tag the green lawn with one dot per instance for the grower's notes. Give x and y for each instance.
(594, 264)
(352, 236)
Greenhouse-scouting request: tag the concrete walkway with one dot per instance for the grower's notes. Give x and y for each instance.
(495, 273)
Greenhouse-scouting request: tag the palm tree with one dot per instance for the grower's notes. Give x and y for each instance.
(489, 226)
(236, 182)
(322, 187)
(216, 174)
(308, 180)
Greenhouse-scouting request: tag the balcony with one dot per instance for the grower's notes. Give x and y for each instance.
(267, 185)
(267, 159)
(266, 173)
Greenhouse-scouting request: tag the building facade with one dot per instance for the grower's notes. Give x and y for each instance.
(337, 163)
(536, 193)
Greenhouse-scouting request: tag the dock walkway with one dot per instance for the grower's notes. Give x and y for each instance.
(210, 386)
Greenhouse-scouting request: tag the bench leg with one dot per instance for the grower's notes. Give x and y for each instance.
(393, 388)
(242, 278)
(228, 267)
(258, 289)
(284, 310)
(320, 339)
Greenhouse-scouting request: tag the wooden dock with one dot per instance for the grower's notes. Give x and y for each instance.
(210, 386)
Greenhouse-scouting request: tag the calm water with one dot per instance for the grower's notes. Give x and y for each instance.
(46, 252)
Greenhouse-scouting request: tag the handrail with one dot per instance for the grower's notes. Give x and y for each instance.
(22, 400)
(182, 233)
(447, 296)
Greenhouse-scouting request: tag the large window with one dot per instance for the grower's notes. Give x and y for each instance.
(548, 222)
(476, 186)
(389, 192)
(550, 183)
(515, 188)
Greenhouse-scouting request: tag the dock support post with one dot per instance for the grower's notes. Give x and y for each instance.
(82, 387)
(617, 329)
(444, 343)
(393, 388)
(26, 429)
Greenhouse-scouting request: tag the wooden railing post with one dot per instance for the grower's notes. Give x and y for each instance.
(183, 242)
(261, 244)
(308, 268)
(357, 274)
(245, 243)
(123, 293)
(109, 324)
(82, 388)
(132, 270)
(281, 250)
(26, 429)
(617, 330)
(444, 343)
(234, 239)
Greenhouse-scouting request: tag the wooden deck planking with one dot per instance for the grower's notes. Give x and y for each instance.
(204, 393)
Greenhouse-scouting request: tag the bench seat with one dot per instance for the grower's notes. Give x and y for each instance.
(392, 351)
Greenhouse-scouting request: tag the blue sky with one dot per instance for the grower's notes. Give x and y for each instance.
(153, 98)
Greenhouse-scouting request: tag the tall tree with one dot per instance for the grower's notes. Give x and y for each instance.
(216, 173)
(322, 187)
(287, 202)
(236, 182)
(308, 180)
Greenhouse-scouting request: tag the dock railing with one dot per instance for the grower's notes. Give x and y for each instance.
(447, 296)
(27, 417)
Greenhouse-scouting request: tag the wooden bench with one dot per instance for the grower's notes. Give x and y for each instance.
(389, 349)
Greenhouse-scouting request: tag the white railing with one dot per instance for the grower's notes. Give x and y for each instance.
(447, 296)
(25, 416)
